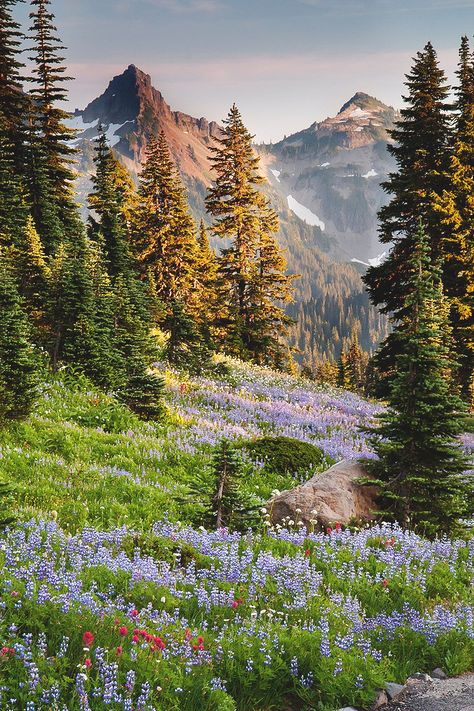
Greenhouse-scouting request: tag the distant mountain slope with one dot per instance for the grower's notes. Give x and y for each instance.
(333, 170)
(131, 110)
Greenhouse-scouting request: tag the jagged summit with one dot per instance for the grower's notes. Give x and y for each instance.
(131, 110)
(124, 98)
(365, 102)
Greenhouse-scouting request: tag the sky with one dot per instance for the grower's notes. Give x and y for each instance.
(285, 63)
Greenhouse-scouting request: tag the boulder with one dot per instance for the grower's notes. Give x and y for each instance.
(335, 495)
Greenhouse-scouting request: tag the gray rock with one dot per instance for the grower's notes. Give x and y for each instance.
(393, 690)
(335, 495)
(348, 708)
(419, 676)
(438, 674)
(380, 700)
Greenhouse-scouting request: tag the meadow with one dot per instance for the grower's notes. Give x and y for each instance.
(113, 597)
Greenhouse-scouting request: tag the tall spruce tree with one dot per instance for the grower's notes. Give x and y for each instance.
(107, 200)
(51, 136)
(421, 466)
(12, 99)
(13, 209)
(18, 369)
(252, 270)
(455, 207)
(163, 228)
(421, 140)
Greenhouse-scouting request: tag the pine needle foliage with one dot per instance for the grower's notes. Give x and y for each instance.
(421, 467)
(218, 493)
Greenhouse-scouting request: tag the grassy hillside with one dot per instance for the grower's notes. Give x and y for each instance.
(113, 597)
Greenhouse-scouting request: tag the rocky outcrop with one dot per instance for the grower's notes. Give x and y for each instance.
(331, 497)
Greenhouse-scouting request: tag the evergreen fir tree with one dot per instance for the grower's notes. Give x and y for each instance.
(32, 277)
(108, 200)
(357, 362)
(13, 210)
(420, 147)
(18, 370)
(455, 208)
(163, 228)
(219, 492)
(343, 372)
(421, 467)
(207, 266)
(12, 99)
(185, 347)
(252, 269)
(81, 310)
(48, 92)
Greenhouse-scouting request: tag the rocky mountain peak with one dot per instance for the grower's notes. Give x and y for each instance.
(125, 98)
(365, 102)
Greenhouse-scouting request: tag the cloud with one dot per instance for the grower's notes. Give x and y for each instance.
(362, 7)
(184, 6)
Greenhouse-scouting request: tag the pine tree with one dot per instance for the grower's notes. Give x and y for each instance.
(13, 210)
(185, 347)
(420, 147)
(163, 228)
(455, 208)
(252, 270)
(108, 201)
(48, 92)
(18, 370)
(357, 362)
(12, 99)
(80, 311)
(219, 492)
(207, 266)
(32, 274)
(421, 467)
(343, 373)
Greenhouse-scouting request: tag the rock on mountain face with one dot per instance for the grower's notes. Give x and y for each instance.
(332, 171)
(131, 110)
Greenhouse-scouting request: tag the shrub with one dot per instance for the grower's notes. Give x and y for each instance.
(284, 455)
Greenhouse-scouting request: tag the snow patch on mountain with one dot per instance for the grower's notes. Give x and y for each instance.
(304, 213)
(375, 262)
(276, 173)
(371, 174)
(359, 113)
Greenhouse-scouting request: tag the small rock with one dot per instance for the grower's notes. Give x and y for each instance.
(419, 676)
(348, 708)
(393, 690)
(380, 700)
(438, 674)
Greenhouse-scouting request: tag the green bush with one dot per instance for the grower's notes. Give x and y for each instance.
(284, 455)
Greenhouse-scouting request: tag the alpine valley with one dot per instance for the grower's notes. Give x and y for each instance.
(324, 182)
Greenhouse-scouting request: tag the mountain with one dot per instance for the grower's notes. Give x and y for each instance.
(330, 295)
(330, 173)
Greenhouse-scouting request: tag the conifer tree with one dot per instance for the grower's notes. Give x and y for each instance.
(13, 210)
(32, 273)
(48, 118)
(185, 347)
(455, 209)
(163, 228)
(80, 311)
(108, 200)
(421, 466)
(219, 492)
(12, 99)
(18, 370)
(420, 147)
(251, 273)
(207, 266)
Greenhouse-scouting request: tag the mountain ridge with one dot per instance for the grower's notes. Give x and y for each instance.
(131, 110)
